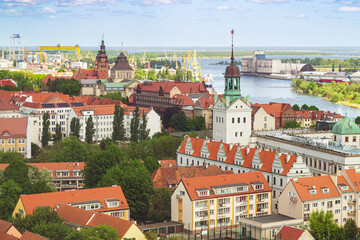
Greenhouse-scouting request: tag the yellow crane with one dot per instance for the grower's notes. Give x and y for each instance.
(175, 60)
(59, 47)
(132, 59)
(143, 58)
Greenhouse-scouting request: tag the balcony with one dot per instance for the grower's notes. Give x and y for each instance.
(351, 201)
(294, 199)
(261, 199)
(69, 185)
(244, 203)
(351, 212)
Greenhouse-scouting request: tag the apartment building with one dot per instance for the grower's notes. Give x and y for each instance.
(215, 201)
(15, 136)
(103, 117)
(328, 193)
(107, 200)
(277, 167)
(283, 112)
(261, 120)
(67, 175)
(8, 109)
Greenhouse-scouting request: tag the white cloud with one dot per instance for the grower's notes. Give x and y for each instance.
(83, 2)
(160, 2)
(52, 17)
(268, 1)
(349, 9)
(224, 7)
(48, 10)
(301, 16)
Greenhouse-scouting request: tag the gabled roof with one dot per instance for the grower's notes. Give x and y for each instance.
(184, 87)
(122, 63)
(191, 184)
(275, 109)
(53, 199)
(88, 218)
(341, 182)
(168, 163)
(182, 100)
(13, 127)
(354, 177)
(107, 109)
(163, 177)
(8, 82)
(32, 236)
(305, 184)
(5, 234)
(86, 74)
(289, 233)
(7, 105)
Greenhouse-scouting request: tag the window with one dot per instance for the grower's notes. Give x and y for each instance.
(346, 139)
(315, 205)
(238, 120)
(354, 138)
(344, 208)
(281, 182)
(244, 119)
(233, 120)
(337, 202)
(337, 211)
(113, 204)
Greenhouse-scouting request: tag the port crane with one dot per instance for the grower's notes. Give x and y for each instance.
(59, 47)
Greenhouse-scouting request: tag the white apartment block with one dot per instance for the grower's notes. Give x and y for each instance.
(103, 117)
(205, 203)
(339, 194)
(278, 168)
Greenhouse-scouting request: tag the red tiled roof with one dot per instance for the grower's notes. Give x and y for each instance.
(354, 177)
(107, 109)
(8, 105)
(206, 102)
(52, 78)
(88, 218)
(52, 199)
(305, 184)
(168, 163)
(182, 100)
(6, 95)
(32, 236)
(191, 184)
(86, 74)
(8, 82)
(273, 108)
(342, 181)
(184, 87)
(289, 233)
(163, 177)
(15, 127)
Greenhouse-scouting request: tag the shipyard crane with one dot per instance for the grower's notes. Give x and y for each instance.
(59, 47)
(175, 60)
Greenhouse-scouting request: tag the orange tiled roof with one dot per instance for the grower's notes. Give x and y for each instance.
(275, 109)
(88, 218)
(303, 186)
(191, 184)
(341, 181)
(53, 199)
(107, 109)
(32, 236)
(163, 177)
(354, 178)
(8, 105)
(182, 100)
(168, 163)
(14, 127)
(184, 87)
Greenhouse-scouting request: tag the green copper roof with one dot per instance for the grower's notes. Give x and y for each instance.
(119, 84)
(346, 126)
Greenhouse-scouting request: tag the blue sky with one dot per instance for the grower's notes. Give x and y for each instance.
(182, 22)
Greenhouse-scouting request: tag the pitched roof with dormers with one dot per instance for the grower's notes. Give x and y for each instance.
(167, 86)
(305, 185)
(93, 219)
(107, 109)
(168, 163)
(53, 199)
(211, 182)
(214, 149)
(166, 176)
(182, 100)
(354, 177)
(341, 183)
(13, 127)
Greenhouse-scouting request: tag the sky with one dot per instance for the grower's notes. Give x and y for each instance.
(168, 23)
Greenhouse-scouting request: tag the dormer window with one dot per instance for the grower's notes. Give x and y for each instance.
(325, 190)
(203, 192)
(113, 202)
(344, 187)
(312, 191)
(257, 185)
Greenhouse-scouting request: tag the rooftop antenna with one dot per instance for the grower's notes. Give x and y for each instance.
(122, 44)
(103, 37)
(232, 45)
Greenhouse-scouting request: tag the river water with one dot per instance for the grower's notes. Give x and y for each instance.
(265, 90)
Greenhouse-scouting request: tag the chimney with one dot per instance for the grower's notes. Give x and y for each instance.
(247, 150)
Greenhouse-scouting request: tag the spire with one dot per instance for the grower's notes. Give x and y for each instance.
(232, 45)
(102, 46)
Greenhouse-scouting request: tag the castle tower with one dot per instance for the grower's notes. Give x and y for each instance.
(101, 62)
(232, 115)
(232, 77)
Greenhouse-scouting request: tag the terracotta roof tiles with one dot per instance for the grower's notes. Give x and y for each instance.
(13, 127)
(289, 233)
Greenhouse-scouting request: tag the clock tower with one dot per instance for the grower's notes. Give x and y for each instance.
(101, 62)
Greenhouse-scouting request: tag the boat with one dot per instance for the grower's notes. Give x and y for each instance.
(208, 80)
(328, 79)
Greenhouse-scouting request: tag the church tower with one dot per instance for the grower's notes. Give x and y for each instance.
(232, 77)
(231, 114)
(101, 62)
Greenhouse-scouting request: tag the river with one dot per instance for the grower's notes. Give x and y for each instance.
(265, 90)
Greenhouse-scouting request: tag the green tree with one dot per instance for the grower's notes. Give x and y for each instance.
(199, 123)
(296, 107)
(9, 195)
(45, 138)
(179, 121)
(2, 178)
(101, 232)
(144, 132)
(160, 209)
(312, 107)
(99, 162)
(322, 225)
(118, 124)
(357, 120)
(89, 130)
(61, 70)
(304, 107)
(134, 125)
(53, 231)
(140, 74)
(136, 183)
(58, 134)
(39, 178)
(7, 157)
(350, 230)
(35, 149)
(166, 147)
(75, 127)
(70, 150)
(291, 124)
(17, 171)
(151, 164)
(141, 150)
